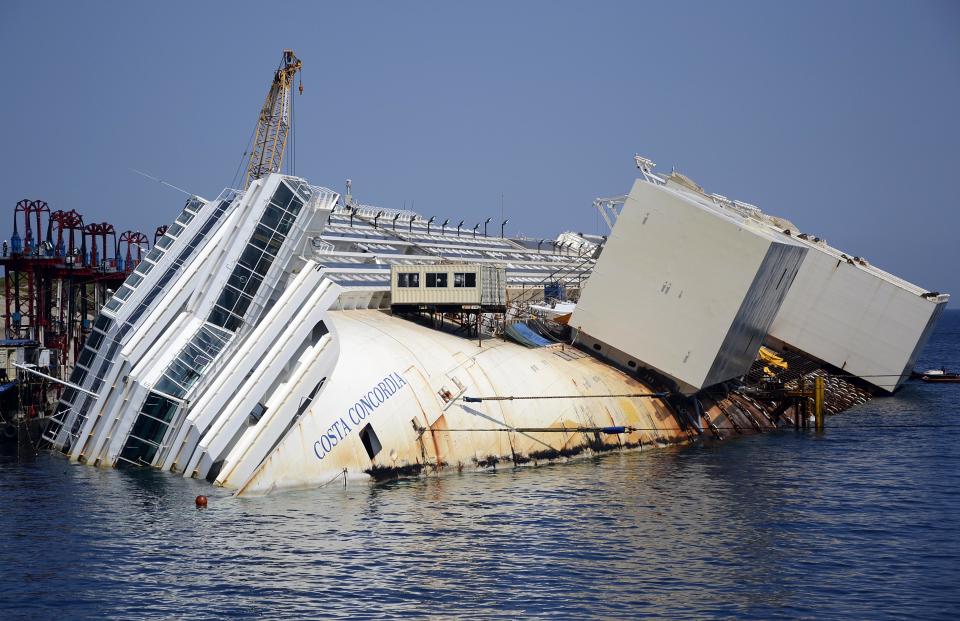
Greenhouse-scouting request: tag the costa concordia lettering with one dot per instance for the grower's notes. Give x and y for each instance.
(357, 414)
(279, 336)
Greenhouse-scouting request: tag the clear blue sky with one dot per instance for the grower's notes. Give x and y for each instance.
(840, 116)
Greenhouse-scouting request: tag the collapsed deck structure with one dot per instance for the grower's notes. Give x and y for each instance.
(254, 345)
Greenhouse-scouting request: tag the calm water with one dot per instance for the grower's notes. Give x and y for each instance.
(861, 522)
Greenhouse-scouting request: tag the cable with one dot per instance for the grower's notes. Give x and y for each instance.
(247, 151)
(649, 395)
(610, 430)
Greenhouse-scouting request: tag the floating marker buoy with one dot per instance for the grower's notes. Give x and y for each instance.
(201, 501)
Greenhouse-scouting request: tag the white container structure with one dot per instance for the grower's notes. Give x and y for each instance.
(448, 284)
(685, 288)
(861, 320)
(840, 310)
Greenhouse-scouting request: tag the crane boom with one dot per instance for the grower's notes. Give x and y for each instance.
(270, 138)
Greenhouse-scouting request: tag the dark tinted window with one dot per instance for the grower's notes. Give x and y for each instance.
(465, 279)
(437, 279)
(408, 280)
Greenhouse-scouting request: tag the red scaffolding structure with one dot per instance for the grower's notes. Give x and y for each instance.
(58, 278)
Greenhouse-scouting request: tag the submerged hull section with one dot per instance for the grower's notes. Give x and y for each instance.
(394, 404)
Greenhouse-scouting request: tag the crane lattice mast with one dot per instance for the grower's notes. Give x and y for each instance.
(270, 139)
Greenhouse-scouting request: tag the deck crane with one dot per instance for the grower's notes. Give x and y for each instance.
(270, 138)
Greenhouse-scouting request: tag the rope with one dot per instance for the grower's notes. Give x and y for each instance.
(247, 151)
(608, 430)
(637, 395)
(613, 430)
(337, 476)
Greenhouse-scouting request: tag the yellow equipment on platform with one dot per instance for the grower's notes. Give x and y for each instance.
(772, 362)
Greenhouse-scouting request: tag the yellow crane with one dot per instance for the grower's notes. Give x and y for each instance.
(273, 126)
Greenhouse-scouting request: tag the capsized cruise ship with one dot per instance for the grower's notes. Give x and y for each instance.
(259, 345)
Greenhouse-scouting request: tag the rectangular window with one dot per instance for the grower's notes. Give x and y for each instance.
(282, 195)
(408, 280)
(436, 279)
(94, 340)
(86, 357)
(254, 259)
(370, 441)
(266, 240)
(102, 323)
(465, 279)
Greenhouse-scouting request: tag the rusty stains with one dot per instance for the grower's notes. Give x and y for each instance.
(386, 473)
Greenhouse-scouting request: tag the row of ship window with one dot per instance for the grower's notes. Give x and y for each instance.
(228, 314)
(464, 280)
(103, 323)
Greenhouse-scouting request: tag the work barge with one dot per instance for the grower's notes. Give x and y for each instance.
(288, 336)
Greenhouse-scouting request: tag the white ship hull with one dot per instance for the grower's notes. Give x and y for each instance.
(395, 375)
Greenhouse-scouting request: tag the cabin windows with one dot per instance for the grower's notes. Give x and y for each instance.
(95, 339)
(144, 268)
(437, 279)
(408, 280)
(370, 441)
(149, 429)
(256, 414)
(86, 357)
(102, 323)
(466, 280)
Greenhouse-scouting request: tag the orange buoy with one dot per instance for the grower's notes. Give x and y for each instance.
(201, 501)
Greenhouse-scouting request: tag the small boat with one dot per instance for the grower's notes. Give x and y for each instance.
(939, 375)
(554, 310)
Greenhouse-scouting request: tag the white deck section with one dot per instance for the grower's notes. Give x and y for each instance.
(856, 318)
(685, 288)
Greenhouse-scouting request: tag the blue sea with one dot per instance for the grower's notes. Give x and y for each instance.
(859, 522)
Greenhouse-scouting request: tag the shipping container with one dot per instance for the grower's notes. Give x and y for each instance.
(448, 284)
